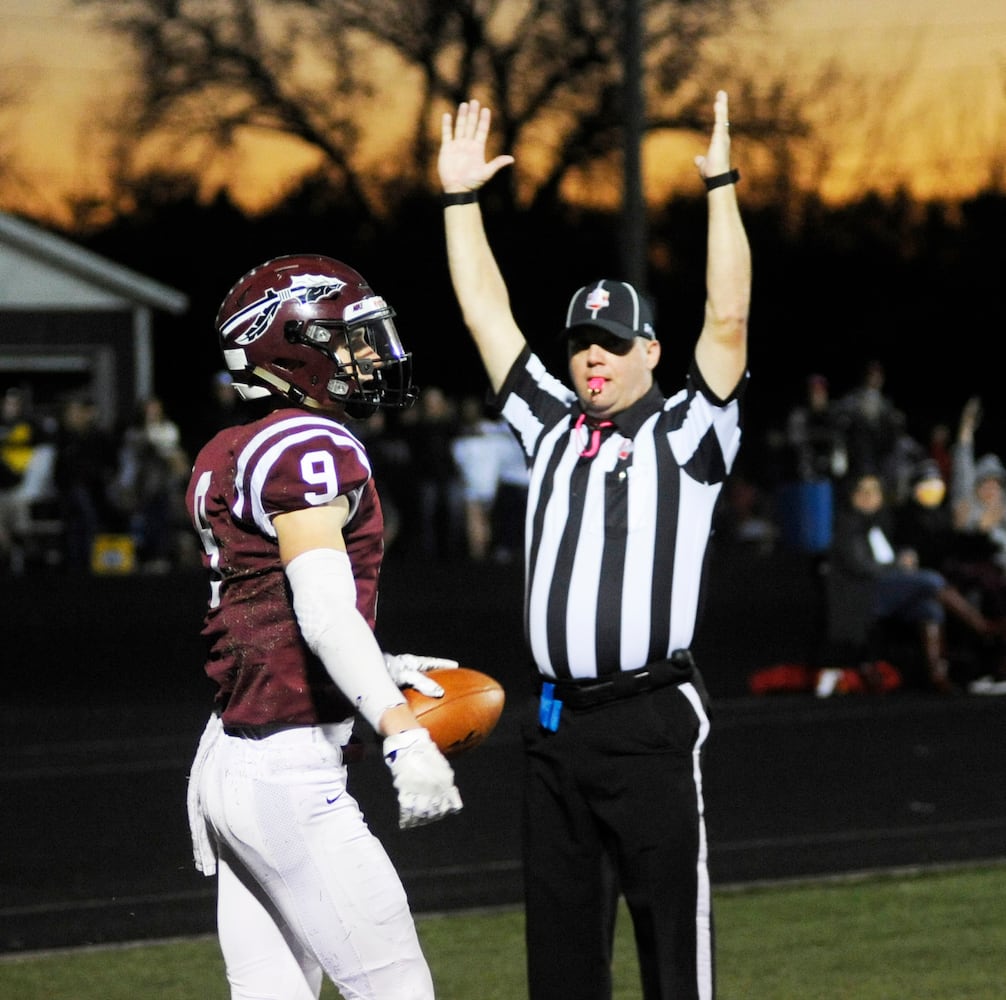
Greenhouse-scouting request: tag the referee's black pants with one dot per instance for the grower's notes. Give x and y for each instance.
(613, 805)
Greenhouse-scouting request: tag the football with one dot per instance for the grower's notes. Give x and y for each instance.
(465, 715)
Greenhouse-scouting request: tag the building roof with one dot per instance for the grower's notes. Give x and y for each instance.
(40, 270)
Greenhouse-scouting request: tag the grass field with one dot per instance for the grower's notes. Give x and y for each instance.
(923, 936)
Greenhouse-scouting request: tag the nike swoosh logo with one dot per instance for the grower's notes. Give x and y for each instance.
(335, 798)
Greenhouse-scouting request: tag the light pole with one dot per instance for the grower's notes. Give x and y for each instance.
(634, 230)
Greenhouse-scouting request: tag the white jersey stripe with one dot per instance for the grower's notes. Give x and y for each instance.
(696, 502)
(263, 466)
(250, 452)
(556, 512)
(640, 549)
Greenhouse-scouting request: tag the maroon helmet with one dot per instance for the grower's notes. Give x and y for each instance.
(310, 329)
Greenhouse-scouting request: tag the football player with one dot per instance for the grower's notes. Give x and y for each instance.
(291, 529)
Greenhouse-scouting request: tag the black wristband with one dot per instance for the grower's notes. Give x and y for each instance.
(460, 198)
(730, 177)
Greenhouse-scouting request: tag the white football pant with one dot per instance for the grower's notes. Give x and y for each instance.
(304, 887)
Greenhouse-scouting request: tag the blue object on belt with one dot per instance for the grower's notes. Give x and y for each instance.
(549, 708)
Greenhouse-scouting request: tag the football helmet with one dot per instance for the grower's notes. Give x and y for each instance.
(310, 329)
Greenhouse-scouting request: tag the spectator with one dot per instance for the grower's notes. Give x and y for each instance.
(437, 501)
(816, 458)
(924, 526)
(86, 463)
(391, 460)
(25, 472)
(153, 470)
(940, 449)
(870, 584)
(746, 516)
(923, 522)
(978, 499)
(813, 435)
(494, 477)
(221, 408)
(870, 423)
(476, 457)
(511, 496)
(978, 496)
(18, 435)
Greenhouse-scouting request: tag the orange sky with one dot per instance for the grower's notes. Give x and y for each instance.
(945, 123)
(939, 132)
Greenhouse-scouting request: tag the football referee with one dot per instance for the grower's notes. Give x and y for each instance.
(624, 482)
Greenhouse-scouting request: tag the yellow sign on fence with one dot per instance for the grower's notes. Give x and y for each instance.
(113, 554)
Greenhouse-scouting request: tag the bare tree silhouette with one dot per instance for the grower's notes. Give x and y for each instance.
(358, 83)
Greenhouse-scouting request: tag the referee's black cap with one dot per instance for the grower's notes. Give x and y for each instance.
(614, 306)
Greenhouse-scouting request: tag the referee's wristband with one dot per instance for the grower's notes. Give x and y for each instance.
(459, 198)
(720, 180)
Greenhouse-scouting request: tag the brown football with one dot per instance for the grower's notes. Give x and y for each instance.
(465, 715)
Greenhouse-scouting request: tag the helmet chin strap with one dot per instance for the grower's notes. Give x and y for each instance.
(353, 407)
(286, 389)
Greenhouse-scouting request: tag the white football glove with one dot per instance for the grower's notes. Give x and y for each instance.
(422, 777)
(409, 670)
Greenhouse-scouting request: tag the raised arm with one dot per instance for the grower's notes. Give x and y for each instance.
(721, 351)
(962, 476)
(478, 284)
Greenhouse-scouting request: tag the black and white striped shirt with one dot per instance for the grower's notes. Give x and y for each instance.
(615, 544)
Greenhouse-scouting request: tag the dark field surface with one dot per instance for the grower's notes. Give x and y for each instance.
(104, 698)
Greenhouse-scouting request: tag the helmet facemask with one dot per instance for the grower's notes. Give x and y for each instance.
(371, 368)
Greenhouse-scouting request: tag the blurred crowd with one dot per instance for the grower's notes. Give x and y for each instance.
(908, 532)
(842, 480)
(79, 496)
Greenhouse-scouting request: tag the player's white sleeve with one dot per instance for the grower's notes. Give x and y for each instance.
(324, 602)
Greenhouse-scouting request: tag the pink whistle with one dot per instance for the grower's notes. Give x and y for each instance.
(595, 384)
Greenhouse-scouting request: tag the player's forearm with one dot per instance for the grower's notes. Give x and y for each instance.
(397, 719)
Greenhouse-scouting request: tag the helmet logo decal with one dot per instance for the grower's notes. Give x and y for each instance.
(304, 288)
(597, 299)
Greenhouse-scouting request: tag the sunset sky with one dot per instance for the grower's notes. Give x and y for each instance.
(941, 131)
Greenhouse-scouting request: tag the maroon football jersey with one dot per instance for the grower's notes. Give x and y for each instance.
(241, 480)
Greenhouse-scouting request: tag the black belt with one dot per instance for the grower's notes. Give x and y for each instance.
(267, 729)
(679, 669)
(261, 732)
